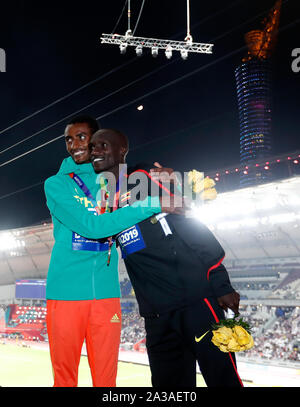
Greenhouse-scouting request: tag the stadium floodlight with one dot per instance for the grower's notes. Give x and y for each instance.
(294, 200)
(283, 218)
(8, 242)
(228, 225)
(258, 207)
(249, 222)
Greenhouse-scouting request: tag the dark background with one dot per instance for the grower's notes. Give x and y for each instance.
(53, 48)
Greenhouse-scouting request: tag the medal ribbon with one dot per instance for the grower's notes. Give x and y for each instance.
(86, 192)
(104, 207)
(99, 211)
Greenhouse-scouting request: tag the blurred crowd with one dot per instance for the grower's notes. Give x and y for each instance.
(279, 342)
(275, 329)
(132, 328)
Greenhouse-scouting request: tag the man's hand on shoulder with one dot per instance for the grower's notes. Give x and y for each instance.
(162, 174)
(173, 204)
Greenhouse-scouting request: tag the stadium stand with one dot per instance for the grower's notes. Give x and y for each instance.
(28, 323)
(259, 228)
(280, 341)
(126, 288)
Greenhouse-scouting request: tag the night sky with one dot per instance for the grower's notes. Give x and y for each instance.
(53, 48)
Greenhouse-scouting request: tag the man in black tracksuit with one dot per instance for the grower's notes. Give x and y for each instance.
(175, 267)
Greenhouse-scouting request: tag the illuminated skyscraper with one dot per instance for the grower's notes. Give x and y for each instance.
(254, 94)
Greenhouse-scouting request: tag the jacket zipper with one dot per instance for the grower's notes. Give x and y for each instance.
(93, 278)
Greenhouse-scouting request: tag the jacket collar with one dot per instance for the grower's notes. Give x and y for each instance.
(68, 165)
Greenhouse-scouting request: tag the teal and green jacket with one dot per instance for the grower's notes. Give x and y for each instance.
(84, 274)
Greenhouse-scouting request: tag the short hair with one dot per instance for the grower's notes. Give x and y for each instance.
(122, 137)
(114, 132)
(92, 123)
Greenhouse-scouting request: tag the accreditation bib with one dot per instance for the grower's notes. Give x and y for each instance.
(81, 243)
(131, 240)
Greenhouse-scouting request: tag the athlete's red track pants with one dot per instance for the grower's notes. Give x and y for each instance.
(96, 321)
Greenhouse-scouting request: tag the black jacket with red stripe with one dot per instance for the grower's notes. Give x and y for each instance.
(171, 271)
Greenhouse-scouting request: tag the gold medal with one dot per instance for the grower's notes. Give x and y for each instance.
(153, 220)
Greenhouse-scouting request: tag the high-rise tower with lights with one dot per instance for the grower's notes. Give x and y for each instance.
(253, 80)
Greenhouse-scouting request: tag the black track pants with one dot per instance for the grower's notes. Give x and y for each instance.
(173, 351)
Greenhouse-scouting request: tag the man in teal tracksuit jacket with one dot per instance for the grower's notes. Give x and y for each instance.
(82, 286)
(83, 274)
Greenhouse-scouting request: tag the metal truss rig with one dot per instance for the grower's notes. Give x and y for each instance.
(184, 47)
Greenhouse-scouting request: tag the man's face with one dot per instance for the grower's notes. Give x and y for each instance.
(106, 152)
(77, 137)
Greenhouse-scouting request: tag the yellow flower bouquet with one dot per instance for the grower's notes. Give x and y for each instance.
(230, 335)
(201, 185)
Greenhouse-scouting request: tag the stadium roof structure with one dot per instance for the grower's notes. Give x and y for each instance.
(25, 253)
(257, 226)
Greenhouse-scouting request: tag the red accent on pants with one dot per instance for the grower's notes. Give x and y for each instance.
(230, 356)
(96, 321)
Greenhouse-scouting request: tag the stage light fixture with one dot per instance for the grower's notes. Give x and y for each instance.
(184, 54)
(154, 51)
(168, 52)
(139, 50)
(123, 48)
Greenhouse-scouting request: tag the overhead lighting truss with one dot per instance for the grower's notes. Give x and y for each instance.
(155, 44)
(129, 40)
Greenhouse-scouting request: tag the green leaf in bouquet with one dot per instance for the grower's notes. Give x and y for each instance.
(231, 322)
